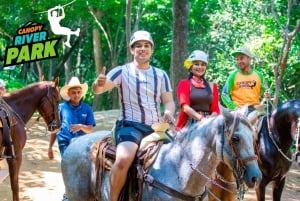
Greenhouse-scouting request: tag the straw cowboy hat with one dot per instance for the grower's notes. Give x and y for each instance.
(74, 82)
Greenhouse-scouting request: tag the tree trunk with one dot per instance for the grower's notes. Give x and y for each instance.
(281, 66)
(67, 66)
(180, 41)
(98, 57)
(128, 26)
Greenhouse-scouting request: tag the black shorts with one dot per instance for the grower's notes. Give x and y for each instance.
(251, 108)
(131, 131)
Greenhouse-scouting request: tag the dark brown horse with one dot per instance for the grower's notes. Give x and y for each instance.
(15, 111)
(274, 142)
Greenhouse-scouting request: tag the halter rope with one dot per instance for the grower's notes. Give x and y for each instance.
(142, 175)
(273, 140)
(37, 119)
(239, 163)
(297, 145)
(153, 182)
(238, 169)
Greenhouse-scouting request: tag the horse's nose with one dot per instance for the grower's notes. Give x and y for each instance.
(256, 179)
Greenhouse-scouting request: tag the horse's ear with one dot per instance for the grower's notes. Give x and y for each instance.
(226, 114)
(56, 81)
(253, 117)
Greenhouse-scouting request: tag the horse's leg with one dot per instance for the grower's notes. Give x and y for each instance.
(18, 136)
(261, 190)
(14, 169)
(277, 187)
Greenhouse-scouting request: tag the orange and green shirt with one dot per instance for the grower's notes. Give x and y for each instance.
(241, 89)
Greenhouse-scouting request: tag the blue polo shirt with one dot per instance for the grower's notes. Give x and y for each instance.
(70, 114)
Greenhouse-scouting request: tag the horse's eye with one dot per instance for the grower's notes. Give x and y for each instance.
(235, 139)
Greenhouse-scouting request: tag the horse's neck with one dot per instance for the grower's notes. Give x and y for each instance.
(187, 159)
(24, 103)
(279, 131)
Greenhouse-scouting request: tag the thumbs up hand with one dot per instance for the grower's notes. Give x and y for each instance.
(101, 79)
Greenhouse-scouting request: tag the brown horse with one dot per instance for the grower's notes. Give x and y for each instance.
(274, 142)
(15, 111)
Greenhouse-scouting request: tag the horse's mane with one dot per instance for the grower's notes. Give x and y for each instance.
(208, 125)
(199, 127)
(284, 115)
(287, 111)
(27, 88)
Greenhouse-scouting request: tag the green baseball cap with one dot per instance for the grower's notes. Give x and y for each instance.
(243, 50)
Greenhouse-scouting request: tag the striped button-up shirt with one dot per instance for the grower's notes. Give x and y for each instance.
(140, 92)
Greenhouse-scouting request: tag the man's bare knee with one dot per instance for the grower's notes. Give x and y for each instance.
(123, 163)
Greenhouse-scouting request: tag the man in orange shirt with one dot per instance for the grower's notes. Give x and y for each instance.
(245, 85)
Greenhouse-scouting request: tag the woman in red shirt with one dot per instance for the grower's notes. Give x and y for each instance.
(197, 97)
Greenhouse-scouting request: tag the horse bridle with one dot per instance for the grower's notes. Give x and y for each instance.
(297, 145)
(297, 153)
(238, 170)
(238, 161)
(54, 124)
(239, 167)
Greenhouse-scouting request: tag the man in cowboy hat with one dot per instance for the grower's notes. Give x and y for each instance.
(76, 116)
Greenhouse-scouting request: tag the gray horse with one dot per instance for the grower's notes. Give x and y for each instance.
(183, 166)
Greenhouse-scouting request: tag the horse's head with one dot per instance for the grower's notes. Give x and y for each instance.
(48, 107)
(238, 148)
(285, 125)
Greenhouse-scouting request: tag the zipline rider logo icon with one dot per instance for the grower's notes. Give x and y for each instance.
(31, 43)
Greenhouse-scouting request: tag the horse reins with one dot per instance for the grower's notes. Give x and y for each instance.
(273, 140)
(149, 179)
(54, 123)
(297, 145)
(239, 167)
(238, 170)
(142, 175)
(8, 142)
(239, 162)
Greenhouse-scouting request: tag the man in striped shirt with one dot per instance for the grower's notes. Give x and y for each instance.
(142, 88)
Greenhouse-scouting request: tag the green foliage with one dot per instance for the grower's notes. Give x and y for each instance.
(11, 81)
(217, 27)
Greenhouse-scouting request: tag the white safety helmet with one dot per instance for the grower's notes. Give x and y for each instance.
(197, 55)
(141, 35)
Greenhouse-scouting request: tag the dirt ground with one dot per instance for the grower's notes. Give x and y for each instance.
(41, 180)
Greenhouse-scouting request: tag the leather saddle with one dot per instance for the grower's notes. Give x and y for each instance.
(255, 118)
(7, 120)
(103, 154)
